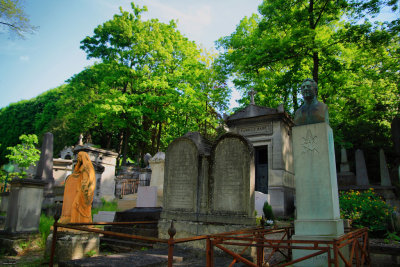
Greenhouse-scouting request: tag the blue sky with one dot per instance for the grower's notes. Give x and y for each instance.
(46, 59)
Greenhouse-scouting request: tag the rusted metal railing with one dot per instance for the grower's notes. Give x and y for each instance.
(356, 241)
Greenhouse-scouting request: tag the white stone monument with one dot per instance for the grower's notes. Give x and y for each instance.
(157, 165)
(318, 215)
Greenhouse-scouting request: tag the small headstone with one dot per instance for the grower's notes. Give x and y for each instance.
(344, 164)
(147, 197)
(385, 178)
(104, 216)
(361, 169)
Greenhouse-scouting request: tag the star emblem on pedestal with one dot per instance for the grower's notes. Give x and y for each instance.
(310, 143)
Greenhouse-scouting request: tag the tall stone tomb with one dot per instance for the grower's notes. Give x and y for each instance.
(269, 131)
(208, 188)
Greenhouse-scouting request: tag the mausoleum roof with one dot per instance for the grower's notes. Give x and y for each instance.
(253, 111)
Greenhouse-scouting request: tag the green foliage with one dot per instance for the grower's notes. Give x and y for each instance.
(391, 237)
(45, 224)
(354, 62)
(366, 209)
(13, 17)
(268, 213)
(90, 253)
(24, 154)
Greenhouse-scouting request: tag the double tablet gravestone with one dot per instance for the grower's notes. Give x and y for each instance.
(208, 189)
(232, 179)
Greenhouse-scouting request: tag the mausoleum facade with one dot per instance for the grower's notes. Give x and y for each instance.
(269, 131)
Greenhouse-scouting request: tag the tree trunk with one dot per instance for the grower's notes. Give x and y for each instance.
(159, 136)
(125, 146)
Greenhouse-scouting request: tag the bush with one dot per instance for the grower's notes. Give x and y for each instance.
(45, 224)
(267, 209)
(366, 209)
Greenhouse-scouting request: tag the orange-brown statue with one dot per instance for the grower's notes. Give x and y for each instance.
(79, 191)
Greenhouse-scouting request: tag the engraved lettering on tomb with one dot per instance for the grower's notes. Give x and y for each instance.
(310, 143)
(264, 128)
(182, 175)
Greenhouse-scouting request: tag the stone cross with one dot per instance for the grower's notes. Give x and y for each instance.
(252, 94)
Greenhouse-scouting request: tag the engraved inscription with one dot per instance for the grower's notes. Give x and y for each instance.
(182, 176)
(310, 143)
(231, 172)
(264, 128)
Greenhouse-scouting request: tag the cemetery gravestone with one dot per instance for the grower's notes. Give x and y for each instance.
(157, 165)
(361, 169)
(345, 176)
(147, 197)
(44, 169)
(233, 176)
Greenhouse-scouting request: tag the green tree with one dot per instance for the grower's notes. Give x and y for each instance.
(24, 154)
(147, 81)
(352, 59)
(13, 17)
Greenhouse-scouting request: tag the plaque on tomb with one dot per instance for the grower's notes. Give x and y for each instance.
(233, 175)
(256, 129)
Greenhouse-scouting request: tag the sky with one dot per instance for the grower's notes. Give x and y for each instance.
(52, 55)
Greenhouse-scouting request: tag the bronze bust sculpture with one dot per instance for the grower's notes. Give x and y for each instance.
(312, 111)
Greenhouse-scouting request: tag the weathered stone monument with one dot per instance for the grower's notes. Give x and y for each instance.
(384, 171)
(269, 131)
(361, 169)
(208, 189)
(345, 176)
(157, 164)
(44, 170)
(317, 203)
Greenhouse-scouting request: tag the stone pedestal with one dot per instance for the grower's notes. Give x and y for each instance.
(317, 202)
(24, 206)
(73, 245)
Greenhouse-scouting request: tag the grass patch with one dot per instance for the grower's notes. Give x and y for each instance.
(105, 206)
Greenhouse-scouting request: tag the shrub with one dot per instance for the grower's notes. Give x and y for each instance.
(267, 209)
(45, 224)
(366, 209)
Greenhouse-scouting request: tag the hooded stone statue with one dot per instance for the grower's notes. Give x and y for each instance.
(79, 192)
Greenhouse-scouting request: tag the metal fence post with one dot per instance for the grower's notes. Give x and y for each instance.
(171, 242)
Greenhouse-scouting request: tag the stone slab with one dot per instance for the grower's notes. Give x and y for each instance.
(104, 216)
(385, 177)
(147, 197)
(71, 245)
